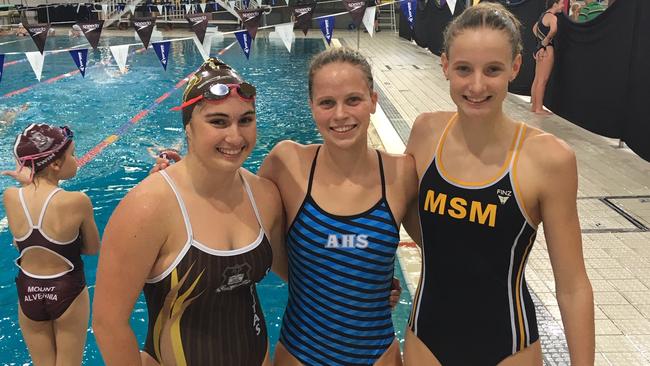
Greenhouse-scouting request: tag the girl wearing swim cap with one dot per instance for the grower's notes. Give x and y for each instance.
(51, 229)
(196, 238)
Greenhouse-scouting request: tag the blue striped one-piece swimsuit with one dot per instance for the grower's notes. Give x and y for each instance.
(340, 272)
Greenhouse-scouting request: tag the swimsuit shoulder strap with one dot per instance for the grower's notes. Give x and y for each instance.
(249, 192)
(24, 204)
(311, 172)
(381, 175)
(181, 203)
(47, 202)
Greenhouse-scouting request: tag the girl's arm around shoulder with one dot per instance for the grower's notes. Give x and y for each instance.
(557, 187)
(88, 228)
(132, 240)
(410, 184)
(281, 159)
(272, 213)
(425, 129)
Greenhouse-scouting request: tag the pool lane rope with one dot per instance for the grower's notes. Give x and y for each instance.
(126, 127)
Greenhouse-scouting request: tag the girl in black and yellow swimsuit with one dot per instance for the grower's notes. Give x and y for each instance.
(194, 239)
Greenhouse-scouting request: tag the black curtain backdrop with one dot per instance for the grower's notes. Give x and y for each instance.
(601, 74)
(431, 19)
(527, 11)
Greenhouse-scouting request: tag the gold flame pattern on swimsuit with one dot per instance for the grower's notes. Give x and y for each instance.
(167, 335)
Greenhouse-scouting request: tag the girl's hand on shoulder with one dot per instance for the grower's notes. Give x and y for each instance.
(20, 175)
(165, 159)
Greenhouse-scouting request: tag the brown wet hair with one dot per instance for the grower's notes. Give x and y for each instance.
(343, 55)
(486, 15)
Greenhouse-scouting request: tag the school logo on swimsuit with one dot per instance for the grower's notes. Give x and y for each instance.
(503, 195)
(483, 214)
(35, 293)
(235, 276)
(347, 241)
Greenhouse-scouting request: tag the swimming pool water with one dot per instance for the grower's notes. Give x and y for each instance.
(95, 107)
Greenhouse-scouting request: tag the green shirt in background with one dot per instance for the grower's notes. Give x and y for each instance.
(590, 11)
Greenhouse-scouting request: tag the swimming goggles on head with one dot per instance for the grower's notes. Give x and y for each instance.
(220, 91)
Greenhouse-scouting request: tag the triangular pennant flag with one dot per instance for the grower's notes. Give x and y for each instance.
(120, 7)
(119, 54)
(408, 9)
(92, 29)
(187, 8)
(160, 9)
(244, 41)
(38, 32)
(36, 59)
(202, 5)
(285, 31)
(246, 3)
(2, 65)
(251, 19)
(303, 14)
(327, 27)
(104, 9)
(452, 6)
(369, 19)
(132, 9)
(162, 51)
(231, 4)
(144, 28)
(199, 24)
(356, 8)
(80, 57)
(204, 48)
(216, 7)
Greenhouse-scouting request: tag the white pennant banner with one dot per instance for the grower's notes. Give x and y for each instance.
(452, 6)
(202, 5)
(285, 32)
(160, 8)
(369, 20)
(132, 9)
(105, 9)
(119, 54)
(36, 59)
(204, 48)
(232, 4)
(187, 8)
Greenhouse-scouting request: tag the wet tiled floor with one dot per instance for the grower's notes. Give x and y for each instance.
(613, 204)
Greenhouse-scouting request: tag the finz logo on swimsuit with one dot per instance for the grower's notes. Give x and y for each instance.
(235, 276)
(141, 25)
(41, 293)
(483, 214)
(347, 241)
(503, 195)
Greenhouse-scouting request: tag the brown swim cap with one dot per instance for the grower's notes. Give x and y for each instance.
(40, 144)
(212, 71)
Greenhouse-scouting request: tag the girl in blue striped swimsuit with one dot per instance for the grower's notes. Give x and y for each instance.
(344, 202)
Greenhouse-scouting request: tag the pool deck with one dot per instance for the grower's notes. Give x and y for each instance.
(613, 204)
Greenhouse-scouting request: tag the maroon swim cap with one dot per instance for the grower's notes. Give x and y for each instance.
(40, 144)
